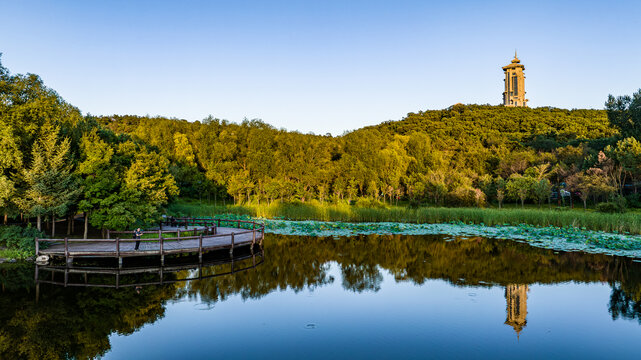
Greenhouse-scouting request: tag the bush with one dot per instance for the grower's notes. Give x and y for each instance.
(608, 207)
(370, 203)
(19, 238)
(633, 200)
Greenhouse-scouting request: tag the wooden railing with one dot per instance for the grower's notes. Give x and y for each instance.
(166, 245)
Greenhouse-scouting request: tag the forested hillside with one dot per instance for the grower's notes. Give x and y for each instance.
(461, 155)
(122, 170)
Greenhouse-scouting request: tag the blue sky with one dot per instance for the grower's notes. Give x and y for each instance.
(320, 66)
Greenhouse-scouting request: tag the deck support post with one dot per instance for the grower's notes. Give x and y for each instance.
(231, 249)
(37, 247)
(119, 262)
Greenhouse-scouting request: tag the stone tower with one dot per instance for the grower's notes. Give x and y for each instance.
(514, 94)
(516, 299)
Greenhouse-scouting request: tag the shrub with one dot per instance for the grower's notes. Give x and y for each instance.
(633, 200)
(16, 237)
(608, 207)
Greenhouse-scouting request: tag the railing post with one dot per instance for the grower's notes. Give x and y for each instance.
(162, 252)
(218, 222)
(37, 247)
(200, 248)
(179, 234)
(118, 251)
(108, 234)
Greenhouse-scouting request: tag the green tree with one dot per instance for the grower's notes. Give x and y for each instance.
(542, 190)
(51, 188)
(519, 187)
(624, 112)
(628, 153)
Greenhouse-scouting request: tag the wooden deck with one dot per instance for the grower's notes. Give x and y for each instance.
(205, 236)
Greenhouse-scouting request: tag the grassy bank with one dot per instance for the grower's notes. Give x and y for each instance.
(621, 223)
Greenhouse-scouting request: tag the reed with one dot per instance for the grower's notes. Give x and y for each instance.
(591, 220)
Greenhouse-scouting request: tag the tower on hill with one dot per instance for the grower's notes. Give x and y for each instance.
(514, 94)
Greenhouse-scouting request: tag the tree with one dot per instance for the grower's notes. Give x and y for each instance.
(499, 183)
(520, 187)
(541, 190)
(579, 182)
(149, 174)
(7, 190)
(183, 149)
(628, 153)
(51, 188)
(10, 164)
(624, 112)
(99, 175)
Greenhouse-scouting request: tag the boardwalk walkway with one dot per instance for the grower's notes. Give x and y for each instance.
(203, 235)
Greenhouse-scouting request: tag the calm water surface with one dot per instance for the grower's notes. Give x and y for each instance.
(319, 298)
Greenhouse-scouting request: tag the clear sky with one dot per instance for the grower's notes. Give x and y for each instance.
(320, 66)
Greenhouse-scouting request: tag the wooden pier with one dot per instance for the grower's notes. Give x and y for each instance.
(175, 236)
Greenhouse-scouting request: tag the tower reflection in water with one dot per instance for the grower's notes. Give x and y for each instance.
(516, 299)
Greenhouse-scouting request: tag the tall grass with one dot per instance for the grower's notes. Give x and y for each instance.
(623, 223)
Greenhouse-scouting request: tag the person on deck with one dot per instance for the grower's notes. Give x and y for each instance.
(137, 236)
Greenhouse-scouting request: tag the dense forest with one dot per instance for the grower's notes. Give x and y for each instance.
(123, 170)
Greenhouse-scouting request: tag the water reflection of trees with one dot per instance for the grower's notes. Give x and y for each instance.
(624, 306)
(70, 323)
(76, 323)
(301, 262)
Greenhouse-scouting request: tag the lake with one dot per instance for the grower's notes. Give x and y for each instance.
(374, 296)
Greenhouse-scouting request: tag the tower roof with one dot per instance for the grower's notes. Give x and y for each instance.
(516, 59)
(516, 63)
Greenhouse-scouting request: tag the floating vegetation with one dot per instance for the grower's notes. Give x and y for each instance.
(556, 238)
